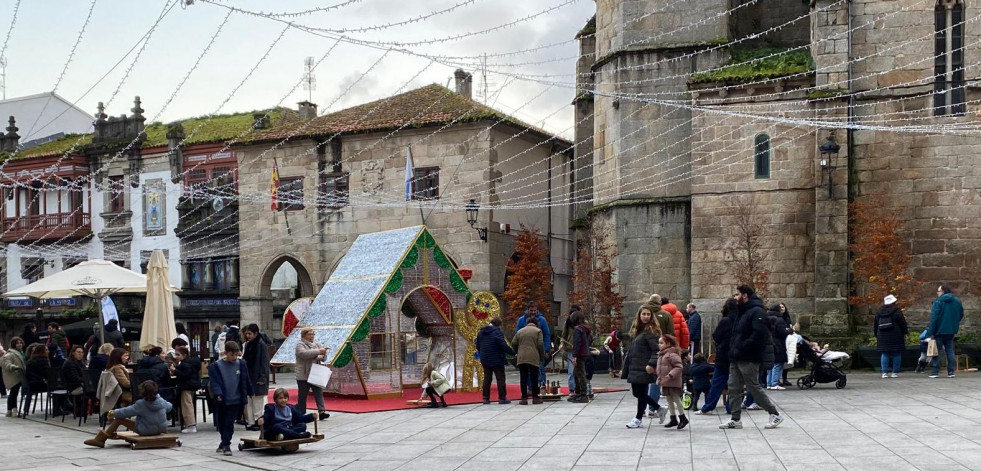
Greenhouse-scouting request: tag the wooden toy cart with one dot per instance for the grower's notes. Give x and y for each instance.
(138, 442)
(284, 445)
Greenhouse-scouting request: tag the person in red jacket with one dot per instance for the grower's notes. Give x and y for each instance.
(680, 326)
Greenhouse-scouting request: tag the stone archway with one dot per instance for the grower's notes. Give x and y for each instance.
(276, 298)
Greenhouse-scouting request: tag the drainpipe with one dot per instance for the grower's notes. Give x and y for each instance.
(852, 187)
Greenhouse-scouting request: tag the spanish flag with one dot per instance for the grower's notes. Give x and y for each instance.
(274, 187)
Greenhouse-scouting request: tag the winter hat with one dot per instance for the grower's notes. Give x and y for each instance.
(889, 299)
(655, 300)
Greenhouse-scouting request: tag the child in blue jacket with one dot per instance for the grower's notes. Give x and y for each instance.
(283, 421)
(150, 413)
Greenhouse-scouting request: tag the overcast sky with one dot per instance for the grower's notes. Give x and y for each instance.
(45, 32)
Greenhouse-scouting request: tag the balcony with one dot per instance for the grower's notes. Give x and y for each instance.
(47, 227)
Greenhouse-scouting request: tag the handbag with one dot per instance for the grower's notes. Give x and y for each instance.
(319, 375)
(932, 348)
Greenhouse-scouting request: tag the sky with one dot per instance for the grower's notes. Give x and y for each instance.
(107, 66)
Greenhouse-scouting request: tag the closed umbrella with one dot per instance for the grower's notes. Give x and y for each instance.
(158, 317)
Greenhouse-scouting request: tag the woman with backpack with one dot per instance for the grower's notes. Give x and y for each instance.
(890, 330)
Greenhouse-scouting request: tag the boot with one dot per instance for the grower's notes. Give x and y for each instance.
(10, 413)
(536, 400)
(99, 440)
(673, 422)
(682, 421)
(523, 401)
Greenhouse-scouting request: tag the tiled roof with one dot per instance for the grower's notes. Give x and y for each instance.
(216, 129)
(426, 106)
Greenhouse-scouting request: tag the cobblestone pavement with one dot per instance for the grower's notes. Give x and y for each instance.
(911, 422)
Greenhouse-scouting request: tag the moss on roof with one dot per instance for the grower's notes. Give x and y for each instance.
(430, 105)
(221, 128)
(588, 29)
(755, 63)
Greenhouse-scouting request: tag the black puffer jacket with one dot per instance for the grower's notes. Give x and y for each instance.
(890, 329)
(188, 373)
(750, 332)
(492, 347)
(157, 369)
(779, 332)
(643, 352)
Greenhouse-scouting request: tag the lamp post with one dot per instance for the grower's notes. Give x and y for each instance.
(472, 209)
(829, 157)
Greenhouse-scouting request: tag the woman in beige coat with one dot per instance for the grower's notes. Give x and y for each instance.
(307, 352)
(529, 347)
(13, 367)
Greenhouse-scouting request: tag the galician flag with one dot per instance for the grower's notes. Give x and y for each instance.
(274, 187)
(408, 173)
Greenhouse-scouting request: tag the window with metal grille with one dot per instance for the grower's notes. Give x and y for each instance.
(334, 190)
(290, 193)
(194, 181)
(425, 183)
(948, 68)
(117, 194)
(761, 162)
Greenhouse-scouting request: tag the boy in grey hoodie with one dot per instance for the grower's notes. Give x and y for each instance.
(150, 413)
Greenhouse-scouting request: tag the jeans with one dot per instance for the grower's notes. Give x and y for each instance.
(654, 391)
(227, 413)
(572, 371)
(643, 399)
(743, 376)
(946, 343)
(774, 376)
(502, 387)
(302, 388)
(289, 431)
(529, 381)
(896, 357)
(580, 374)
(719, 379)
(541, 370)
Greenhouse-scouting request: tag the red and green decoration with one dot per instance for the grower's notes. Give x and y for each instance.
(411, 257)
(345, 356)
(426, 241)
(395, 283)
(378, 308)
(361, 332)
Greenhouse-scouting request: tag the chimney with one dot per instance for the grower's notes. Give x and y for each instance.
(464, 83)
(307, 110)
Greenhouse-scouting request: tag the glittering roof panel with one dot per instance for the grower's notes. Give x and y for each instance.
(349, 293)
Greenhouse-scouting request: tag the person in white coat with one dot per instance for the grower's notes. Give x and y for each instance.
(309, 351)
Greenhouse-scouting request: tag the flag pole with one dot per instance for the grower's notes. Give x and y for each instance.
(274, 189)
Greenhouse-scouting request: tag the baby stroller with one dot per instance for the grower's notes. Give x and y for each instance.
(822, 370)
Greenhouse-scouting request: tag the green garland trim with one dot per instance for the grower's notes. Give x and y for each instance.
(410, 258)
(426, 241)
(378, 308)
(422, 328)
(344, 356)
(441, 258)
(361, 333)
(456, 281)
(395, 283)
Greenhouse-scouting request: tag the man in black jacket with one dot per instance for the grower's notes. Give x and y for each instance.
(750, 332)
(492, 349)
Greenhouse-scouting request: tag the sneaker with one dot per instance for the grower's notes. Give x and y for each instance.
(651, 413)
(635, 423)
(778, 388)
(191, 429)
(950, 375)
(774, 422)
(934, 376)
(220, 449)
(894, 375)
(523, 401)
(699, 412)
(228, 451)
(731, 425)
(486, 401)
(754, 406)
(769, 387)
(504, 401)
(662, 413)
(323, 416)
(885, 375)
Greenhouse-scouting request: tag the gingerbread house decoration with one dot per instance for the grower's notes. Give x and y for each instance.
(394, 303)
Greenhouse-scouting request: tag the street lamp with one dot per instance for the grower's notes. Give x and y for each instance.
(829, 157)
(472, 209)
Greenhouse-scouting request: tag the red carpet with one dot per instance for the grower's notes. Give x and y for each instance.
(358, 406)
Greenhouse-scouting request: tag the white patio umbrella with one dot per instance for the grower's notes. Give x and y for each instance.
(158, 317)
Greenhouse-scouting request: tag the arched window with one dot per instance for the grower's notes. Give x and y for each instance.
(948, 66)
(761, 162)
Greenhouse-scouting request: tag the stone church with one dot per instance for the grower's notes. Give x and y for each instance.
(842, 100)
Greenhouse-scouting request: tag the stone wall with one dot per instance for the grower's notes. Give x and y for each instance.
(762, 15)
(637, 24)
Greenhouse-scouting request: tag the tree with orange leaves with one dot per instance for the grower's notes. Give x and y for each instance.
(595, 290)
(529, 275)
(880, 255)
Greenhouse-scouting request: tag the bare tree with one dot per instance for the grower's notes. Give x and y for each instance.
(749, 258)
(595, 289)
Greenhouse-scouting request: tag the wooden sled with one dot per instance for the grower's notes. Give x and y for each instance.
(284, 445)
(138, 442)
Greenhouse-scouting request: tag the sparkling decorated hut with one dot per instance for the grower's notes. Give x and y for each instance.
(394, 303)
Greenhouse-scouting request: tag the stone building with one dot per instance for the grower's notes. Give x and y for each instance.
(344, 173)
(685, 151)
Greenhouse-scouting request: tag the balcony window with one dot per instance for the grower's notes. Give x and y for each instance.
(290, 194)
(117, 194)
